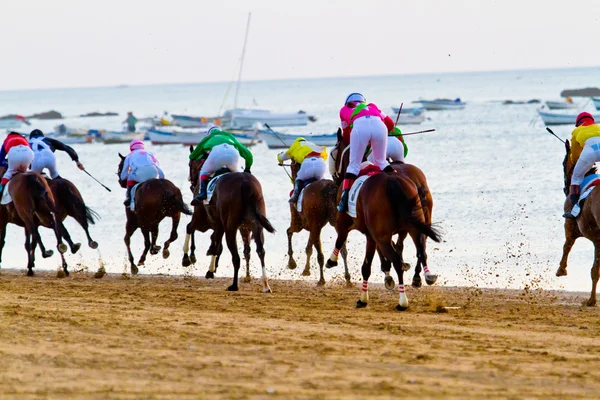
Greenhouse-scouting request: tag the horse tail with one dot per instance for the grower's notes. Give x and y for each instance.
(403, 208)
(251, 198)
(70, 195)
(40, 194)
(177, 200)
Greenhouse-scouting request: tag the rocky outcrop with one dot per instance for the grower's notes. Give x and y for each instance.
(585, 92)
(46, 115)
(99, 114)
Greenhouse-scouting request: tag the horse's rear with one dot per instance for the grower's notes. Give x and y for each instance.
(238, 203)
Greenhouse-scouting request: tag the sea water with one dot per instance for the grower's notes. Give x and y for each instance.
(496, 177)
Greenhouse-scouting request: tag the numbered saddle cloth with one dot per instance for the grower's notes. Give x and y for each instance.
(587, 186)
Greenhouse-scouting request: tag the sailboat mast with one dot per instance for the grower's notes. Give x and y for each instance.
(237, 89)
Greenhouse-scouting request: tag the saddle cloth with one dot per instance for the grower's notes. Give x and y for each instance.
(301, 197)
(211, 186)
(353, 195)
(587, 186)
(6, 196)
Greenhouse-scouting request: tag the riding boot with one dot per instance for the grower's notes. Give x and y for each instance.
(389, 169)
(348, 181)
(202, 194)
(299, 185)
(573, 198)
(127, 201)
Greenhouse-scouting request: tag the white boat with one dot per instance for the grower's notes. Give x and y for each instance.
(561, 105)
(409, 115)
(442, 104)
(277, 140)
(109, 137)
(596, 101)
(188, 121)
(556, 118)
(11, 123)
(241, 118)
(66, 139)
(192, 137)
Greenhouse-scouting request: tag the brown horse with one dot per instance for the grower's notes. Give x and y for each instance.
(387, 204)
(154, 200)
(237, 203)
(341, 157)
(32, 205)
(587, 224)
(318, 208)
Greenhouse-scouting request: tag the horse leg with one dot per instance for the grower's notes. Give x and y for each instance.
(3, 223)
(215, 250)
(30, 255)
(57, 227)
(230, 237)
(154, 249)
(595, 275)
(571, 235)
(45, 253)
(130, 228)
(173, 235)
(316, 240)
(366, 272)
(344, 253)
(342, 226)
(147, 245)
(400, 250)
(259, 239)
(247, 251)
(388, 252)
(386, 267)
(308, 251)
(193, 250)
(74, 246)
(420, 242)
(81, 218)
(189, 232)
(291, 261)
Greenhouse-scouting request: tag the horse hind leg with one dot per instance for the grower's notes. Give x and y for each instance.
(147, 245)
(154, 249)
(291, 261)
(595, 274)
(571, 234)
(230, 237)
(420, 241)
(130, 228)
(172, 237)
(65, 234)
(189, 232)
(259, 239)
(386, 267)
(247, 252)
(388, 252)
(308, 251)
(316, 239)
(344, 253)
(366, 272)
(215, 250)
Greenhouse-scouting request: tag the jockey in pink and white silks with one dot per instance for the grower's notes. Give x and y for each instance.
(139, 166)
(363, 124)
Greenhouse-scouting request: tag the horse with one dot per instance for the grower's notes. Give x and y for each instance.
(32, 205)
(154, 200)
(318, 208)
(387, 204)
(587, 224)
(237, 203)
(340, 156)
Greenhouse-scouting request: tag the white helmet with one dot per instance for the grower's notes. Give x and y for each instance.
(355, 97)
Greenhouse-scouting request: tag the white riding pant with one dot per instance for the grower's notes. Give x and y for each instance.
(44, 159)
(589, 155)
(19, 158)
(143, 173)
(395, 151)
(223, 155)
(365, 130)
(312, 168)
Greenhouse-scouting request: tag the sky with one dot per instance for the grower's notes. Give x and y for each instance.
(81, 43)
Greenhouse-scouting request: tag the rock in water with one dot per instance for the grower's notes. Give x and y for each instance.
(46, 115)
(585, 92)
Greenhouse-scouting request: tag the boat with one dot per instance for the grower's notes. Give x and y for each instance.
(242, 118)
(596, 101)
(409, 115)
(188, 121)
(556, 118)
(277, 140)
(561, 105)
(110, 137)
(12, 123)
(442, 104)
(192, 137)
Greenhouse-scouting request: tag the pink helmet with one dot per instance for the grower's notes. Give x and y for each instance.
(135, 145)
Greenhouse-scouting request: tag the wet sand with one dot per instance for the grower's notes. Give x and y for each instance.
(181, 337)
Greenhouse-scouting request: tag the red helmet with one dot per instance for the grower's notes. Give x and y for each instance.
(585, 119)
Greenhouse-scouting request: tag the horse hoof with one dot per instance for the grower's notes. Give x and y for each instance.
(62, 248)
(48, 253)
(210, 275)
(348, 279)
(400, 308)
(306, 272)
(561, 272)
(153, 251)
(134, 270)
(405, 267)
(186, 261)
(93, 244)
(331, 264)
(591, 303)
(232, 288)
(247, 279)
(193, 259)
(67, 273)
(267, 290)
(166, 254)
(292, 264)
(29, 272)
(430, 279)
(360, 304)
(75, 248)
(60, 274)
(321, 282)
(417, 283)
(141, 263)
(389, 283)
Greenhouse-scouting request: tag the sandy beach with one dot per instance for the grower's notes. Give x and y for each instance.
(184, 337)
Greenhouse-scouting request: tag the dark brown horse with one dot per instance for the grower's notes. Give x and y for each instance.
(237, 203)
(587, 224)
(387, 204)
(154, 200)
(318, 208)
(32, 205)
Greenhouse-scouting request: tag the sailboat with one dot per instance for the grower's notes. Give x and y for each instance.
(246, 118)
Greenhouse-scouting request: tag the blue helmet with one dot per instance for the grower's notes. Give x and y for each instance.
(355, 97)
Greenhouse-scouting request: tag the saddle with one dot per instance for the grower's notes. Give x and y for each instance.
(299, 201)
(213, 182)
(587, 186)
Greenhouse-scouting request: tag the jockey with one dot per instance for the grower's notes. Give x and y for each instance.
(585, 151)
(223, 150)
(139, 166)
(312, 163)
(16, 150)
(43, 150)
(362, 124)
(397, 149)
